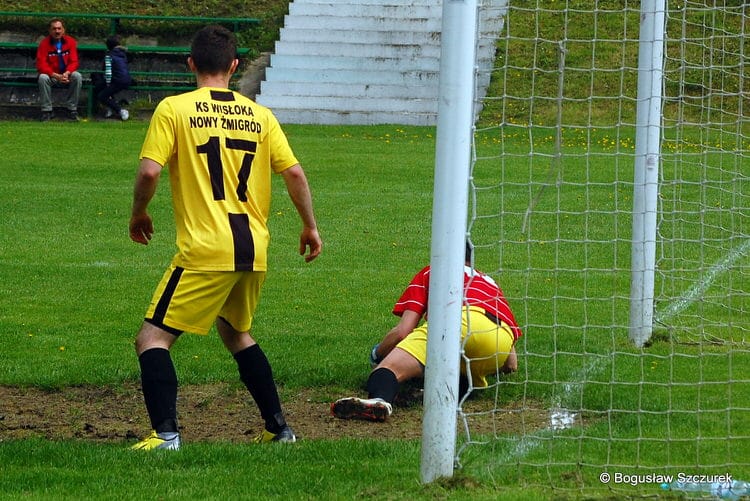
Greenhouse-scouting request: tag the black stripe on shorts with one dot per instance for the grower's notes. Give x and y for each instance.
(166, 297)
(493, 318)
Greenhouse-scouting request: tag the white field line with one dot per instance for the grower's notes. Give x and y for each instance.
(697, 290)
(559, 414)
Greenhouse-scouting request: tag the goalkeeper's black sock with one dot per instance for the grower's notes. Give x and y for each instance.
(382, 383)
(159, 385)
(255, 372)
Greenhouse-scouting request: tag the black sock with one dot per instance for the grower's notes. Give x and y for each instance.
(159, 384)
(463, 386)
(255, 372)
(382, 383)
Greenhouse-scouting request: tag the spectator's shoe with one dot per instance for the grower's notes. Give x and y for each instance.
(47, 116)
(169, 441)
(124, 115)
(73, 115)
(286, 435)
(369, 409)
(108, 113)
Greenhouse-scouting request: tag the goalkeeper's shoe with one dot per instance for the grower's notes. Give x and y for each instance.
(286, 435)
(369, 409)
(167, 440)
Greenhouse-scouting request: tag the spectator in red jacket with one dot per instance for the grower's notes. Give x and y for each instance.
(57, 64)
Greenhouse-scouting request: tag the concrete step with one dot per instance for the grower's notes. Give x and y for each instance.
(301, 48)
(351, 76)
(343, 35)
(371, 36)
(433, 9)
(386, 64)
(365, 50)
(370, 3)
(326, 117)
(355, 91)
(338, 103)
(317, 15)
(363, 23)
(359, 91)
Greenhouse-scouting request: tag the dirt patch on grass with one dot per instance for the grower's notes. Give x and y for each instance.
(221, 412)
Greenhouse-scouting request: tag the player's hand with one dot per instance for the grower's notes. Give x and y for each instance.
(310, 239)
(374, 358)
(141, 229)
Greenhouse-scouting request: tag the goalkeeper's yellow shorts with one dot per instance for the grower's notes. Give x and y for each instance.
(486, 347)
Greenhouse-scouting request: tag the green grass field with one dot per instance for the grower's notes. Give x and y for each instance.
(74, 289)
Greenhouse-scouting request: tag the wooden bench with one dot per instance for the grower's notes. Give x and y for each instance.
(163, 81)
(143, 81)
(156, 81)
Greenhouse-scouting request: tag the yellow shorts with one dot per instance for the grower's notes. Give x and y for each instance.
(486, 347)
(188, 300)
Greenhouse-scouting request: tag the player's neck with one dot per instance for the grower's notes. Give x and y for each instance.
(221, 81)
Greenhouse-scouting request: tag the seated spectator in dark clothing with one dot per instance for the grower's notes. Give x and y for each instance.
(116, 78)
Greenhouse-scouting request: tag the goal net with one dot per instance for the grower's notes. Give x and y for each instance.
(551, 218)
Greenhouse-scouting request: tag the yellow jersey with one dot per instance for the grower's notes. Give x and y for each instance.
(220, 148)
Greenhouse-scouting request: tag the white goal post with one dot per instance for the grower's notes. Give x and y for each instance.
(450, 209)
(647, 162)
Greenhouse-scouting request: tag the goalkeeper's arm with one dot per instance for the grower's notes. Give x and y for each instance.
(409, 321)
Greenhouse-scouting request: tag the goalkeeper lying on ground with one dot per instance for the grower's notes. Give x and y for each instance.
(401, 355)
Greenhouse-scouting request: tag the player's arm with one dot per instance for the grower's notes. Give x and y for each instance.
(299, 192)
(409, 321)
(146, 181)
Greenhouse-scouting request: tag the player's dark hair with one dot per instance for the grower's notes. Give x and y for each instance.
(467, 255)
(112, 41)
(213, 49)
(55, 20)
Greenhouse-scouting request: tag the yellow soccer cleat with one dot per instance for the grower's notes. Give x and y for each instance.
(169, 441)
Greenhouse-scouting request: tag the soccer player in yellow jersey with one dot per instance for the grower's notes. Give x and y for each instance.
(221, 149)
